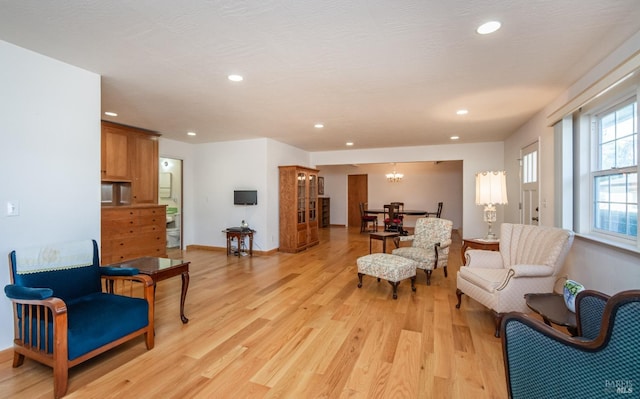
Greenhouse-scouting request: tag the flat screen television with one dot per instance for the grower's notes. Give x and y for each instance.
(245, 197)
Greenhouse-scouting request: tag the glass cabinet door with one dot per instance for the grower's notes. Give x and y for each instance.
(302, 198)
(313, 197)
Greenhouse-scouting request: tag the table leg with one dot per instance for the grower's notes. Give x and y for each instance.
(251, 244)
(183, 295)
(384, 245)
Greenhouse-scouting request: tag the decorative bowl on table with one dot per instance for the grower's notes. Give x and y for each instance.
(570, 291)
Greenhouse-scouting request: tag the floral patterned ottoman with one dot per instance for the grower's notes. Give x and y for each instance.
(392, 268)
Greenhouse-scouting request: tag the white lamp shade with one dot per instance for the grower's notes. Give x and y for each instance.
(491, 188)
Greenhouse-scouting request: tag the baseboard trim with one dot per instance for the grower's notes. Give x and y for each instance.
(224, 249)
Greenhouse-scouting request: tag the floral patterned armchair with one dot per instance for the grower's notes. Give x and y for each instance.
(430, 245)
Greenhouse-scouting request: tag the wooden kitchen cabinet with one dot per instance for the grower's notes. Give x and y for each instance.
(132, 224)
(144, 156)
(130, 232)
(115, 154)
(298, 208)
(130, 154)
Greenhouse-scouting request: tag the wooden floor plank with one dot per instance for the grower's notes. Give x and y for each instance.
(405, 370)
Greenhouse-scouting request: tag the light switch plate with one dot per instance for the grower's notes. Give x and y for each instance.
(13, 208)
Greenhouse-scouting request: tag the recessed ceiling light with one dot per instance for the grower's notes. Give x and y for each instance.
(349, 143)
(235, 78)
(191, 133)
(462, 112)
(488, 27)
(454, 137)
(318, 125)
(110, 113)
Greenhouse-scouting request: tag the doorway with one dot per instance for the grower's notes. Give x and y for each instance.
(530, 185)
(170, 194)
(357, 192)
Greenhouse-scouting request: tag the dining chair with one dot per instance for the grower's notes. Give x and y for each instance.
(436, 213)
(366, 219)
(391, 220)
(400, 210)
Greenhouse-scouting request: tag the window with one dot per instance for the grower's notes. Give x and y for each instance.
(530, 167)
(615, 173)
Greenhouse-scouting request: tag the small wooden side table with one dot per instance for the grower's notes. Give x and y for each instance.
(478, 243)
(239, 236)
(382, 235)
(553, 310)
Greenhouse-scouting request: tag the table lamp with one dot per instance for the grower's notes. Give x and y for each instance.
(491, 189)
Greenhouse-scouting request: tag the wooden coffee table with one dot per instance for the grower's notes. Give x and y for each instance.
(161, 269)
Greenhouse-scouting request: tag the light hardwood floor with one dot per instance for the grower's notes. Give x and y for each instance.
(294, 326)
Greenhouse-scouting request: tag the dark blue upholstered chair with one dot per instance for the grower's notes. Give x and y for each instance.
(62, 317)
(602, 361)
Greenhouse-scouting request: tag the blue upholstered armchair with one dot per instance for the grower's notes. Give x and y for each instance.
(62, 317)
(603, 361)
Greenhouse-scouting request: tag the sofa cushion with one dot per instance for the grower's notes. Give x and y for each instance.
(420, 255)
(97, 319)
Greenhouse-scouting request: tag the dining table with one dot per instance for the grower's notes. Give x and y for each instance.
(413, 212)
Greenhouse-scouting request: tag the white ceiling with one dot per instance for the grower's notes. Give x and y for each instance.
(379, 73)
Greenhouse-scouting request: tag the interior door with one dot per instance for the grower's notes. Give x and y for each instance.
(357, 192)
(529, 172)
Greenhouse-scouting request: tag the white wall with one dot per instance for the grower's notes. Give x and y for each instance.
(423, 186)
(598, 266)
(475, 157)
(213, 170)
(50, 163)
(219, 169)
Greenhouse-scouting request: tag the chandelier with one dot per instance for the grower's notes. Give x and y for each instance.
(394, 177)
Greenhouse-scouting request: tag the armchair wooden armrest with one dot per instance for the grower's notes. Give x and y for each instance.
(32, 318)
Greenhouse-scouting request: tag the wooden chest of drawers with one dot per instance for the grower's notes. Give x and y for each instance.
(130, 232)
